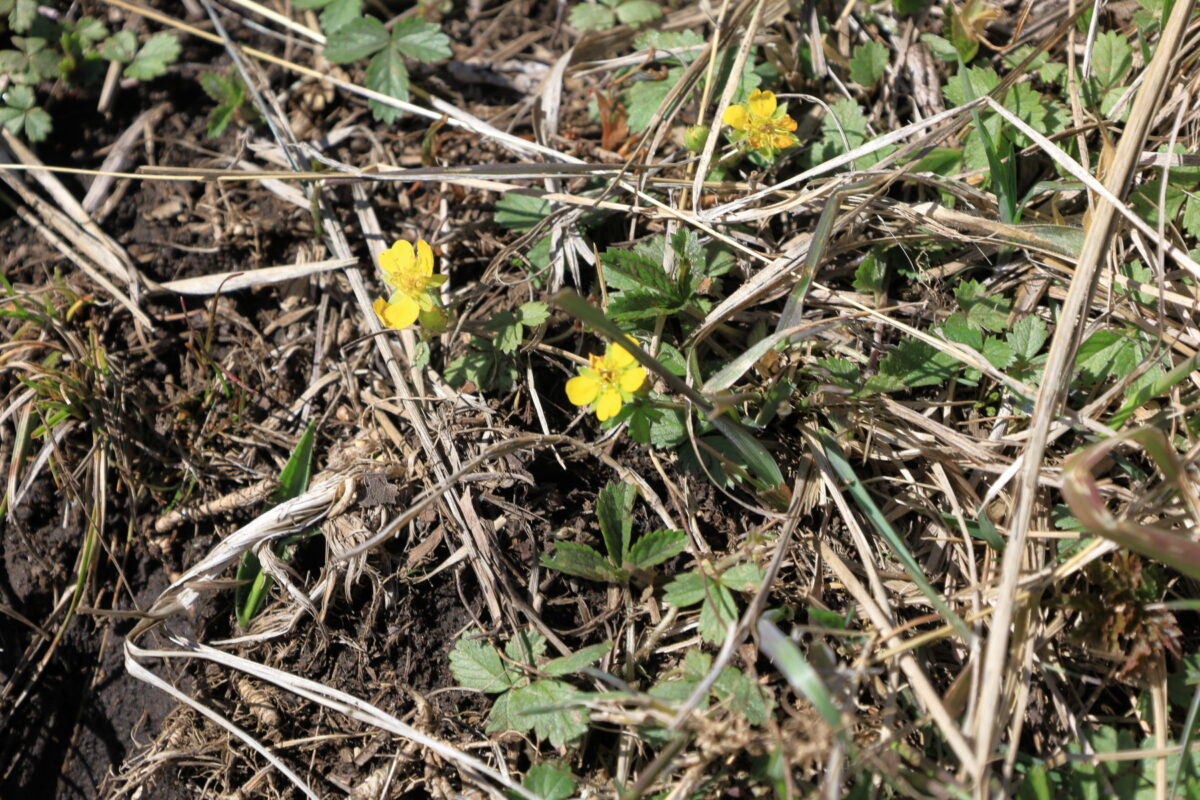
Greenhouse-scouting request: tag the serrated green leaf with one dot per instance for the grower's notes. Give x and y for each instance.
(581, 658)
(475, 367)
(155, 55)
(533, 313)
(940, 47)
(671, 358)
(420, 40)
(525, 647)
(503, 718)
(1191, 215)
(637, 305)
(20, 98)
(1112, 58)
(685, 590)
(638, 12)
(1108, 353)
(842, 372)
(521, 212)
(90, 29)
(743, 577)
(982, 80)
(592, 17)
(1027, 336)
(614, 510)
(655, 548)
(985, 312)
(336, 14)
(915, 364)
(359, 39)
(998, 353)
(121, 47)
(736, 691)
(582, 561)
(868, 63)
(668, 430)
(550, 781)
(475, 664)
(644, 97)
(23, 15)
(717, 613)
(870, 275)
(626, 270)
(1027, 105)
(957, 329)
(387, 74)
(541, 706)
(224, 90)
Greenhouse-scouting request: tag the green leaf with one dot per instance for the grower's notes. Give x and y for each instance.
(940, 47)
(90, 29)
(998, 353)
(550, 781)
(637, 305)
(868, 63)
(533, 313)
(655, 548)
(644, 97)
(1191, 216)
(983, 312)
(957, 329)
(540, 706)
(638, 12)
(224, 90)
(625, 270)
(734, 689)
(503, 718)
(790, 662)
(1108, 353)
(521, 212)
(576, 661)
(669, 430)
(614, 509)
(746, 577)
(420, 40)
(337, 14)
(592, 17)
(475, 664)
(293, 479)
(23, 15)
(20, 98)
(916, 364)
(525, 647)
(121, 47)
(982, 80)
(357, 40)
(717, 613)
(685, 590)
(1112, 58)
(582, 561)
(870, 275)
(387, 74)
(1027, 336)
(155, 55)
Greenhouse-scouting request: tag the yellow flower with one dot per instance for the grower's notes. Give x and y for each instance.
(410, 274)
(608, 381)
(762, 122)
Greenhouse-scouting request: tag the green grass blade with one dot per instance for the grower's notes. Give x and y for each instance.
(253, 583)
(863, 498)
(791, 663)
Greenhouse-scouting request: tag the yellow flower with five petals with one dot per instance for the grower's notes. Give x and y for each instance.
(410, 274)
(608, 381)
(762, 123)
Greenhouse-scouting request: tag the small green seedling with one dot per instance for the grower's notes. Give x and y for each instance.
(491, 365)
(607, 13)
(712, 586)
(229, 92)
(543, 704)
(614, 508)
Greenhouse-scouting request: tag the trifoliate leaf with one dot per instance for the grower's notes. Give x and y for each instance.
(521, 212)
(121, 47)
(1112, 58)
(475, 664)
(592, 17)
(420, 40)
(983, 312)
(540, 705)
(550, 781)
(387, 74)
(655, 548)
(1027, 336)
(361, 38)
(582, 561)
(576, 661)
(20, 98)
(23, 15)
(155, 55)
(638, 12)
(868, 63)
(717, 613)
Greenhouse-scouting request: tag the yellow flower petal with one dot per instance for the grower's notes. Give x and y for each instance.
(401, 314)
(398, 258)
(632, 379)
(735, 117)
(379, 305)
(617, 357)
(582, 390)
(608, 405)
(424, 257)
(761, 104)
(785, 123)
(782, 140)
